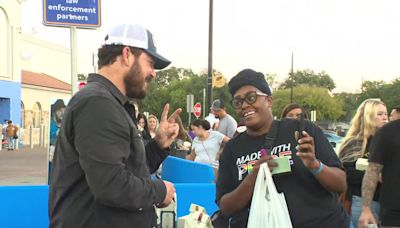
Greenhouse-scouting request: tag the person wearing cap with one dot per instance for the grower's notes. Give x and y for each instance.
(101, 170)
(311, 187)
(212, 120)
(227, 124)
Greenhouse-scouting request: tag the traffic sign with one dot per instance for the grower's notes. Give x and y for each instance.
(197, 110)
(218, 80)
(68, 13)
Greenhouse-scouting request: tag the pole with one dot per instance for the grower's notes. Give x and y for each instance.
(74, 60)
(291, 82)
(210, 45)
(204, 103)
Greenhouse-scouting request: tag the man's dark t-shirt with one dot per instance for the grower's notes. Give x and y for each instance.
(309, 203)
(385, 150)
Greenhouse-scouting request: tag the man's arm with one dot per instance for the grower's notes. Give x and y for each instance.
(370, 181)
(103, 152)
(154, 155)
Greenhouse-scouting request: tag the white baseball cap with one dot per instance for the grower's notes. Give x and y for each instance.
(134, 35)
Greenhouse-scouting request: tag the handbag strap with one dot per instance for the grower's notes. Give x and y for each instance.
(271, 136)
(208, 155)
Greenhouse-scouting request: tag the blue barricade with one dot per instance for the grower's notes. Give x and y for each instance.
(24, 206)
(27, 206)
(201, 194)
(178, 170)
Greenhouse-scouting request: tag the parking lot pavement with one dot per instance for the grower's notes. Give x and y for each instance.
(24, 166)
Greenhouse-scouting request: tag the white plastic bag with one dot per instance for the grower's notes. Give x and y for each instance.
(268, 207)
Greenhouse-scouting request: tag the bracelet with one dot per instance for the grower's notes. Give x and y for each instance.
(317, 171)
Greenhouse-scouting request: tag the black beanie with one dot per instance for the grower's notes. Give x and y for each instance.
(249, 77)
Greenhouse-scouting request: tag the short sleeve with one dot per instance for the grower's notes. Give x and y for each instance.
(225, 174)
(219, 136)
(323, 149)
(380, 147)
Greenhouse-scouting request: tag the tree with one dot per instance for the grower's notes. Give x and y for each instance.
(165, 77)
(171, 86)
(272, 81)
(387, 92)
(308, 77)
(350, 103)
(310, 98)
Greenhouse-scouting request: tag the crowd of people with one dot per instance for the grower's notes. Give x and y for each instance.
(101, 173)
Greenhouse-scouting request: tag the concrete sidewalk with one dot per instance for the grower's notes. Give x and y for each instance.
(24, 166)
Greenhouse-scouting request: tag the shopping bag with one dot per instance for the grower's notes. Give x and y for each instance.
(197, 218)
(167, 216)
(268, 207)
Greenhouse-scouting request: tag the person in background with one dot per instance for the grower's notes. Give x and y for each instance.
(3, 130)
(395, 113)
(384, 160)
(57, 114)
(153, 125)
(293, 111)
(212, 120)
(101, 168)
(311, 188)
(11, 134)
(181, 146)
(191, 133)
(370, 116)
(227, 124)
(206, 144)
(143, 127)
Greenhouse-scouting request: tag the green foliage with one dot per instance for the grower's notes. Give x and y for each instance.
(272, 81)
(350, 103)
(310, 98)
(173, 85)
(311, 91)
(310, 78)
(387, 92)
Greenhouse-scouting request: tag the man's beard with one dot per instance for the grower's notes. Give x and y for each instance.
(134, 83)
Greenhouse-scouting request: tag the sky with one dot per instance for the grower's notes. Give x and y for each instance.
(350, 40)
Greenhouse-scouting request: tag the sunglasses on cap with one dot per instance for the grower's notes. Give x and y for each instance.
(250, 98)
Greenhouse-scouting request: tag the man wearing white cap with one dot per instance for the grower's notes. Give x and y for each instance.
(101, 169)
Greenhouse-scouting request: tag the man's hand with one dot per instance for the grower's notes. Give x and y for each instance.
(168, 128)
(170, 194)
(366, 218)
(306, 150)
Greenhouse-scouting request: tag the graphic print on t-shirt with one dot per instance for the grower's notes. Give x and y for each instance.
(282, 150)
(245, 163)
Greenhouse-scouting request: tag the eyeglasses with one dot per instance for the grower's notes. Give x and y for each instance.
(250, 98)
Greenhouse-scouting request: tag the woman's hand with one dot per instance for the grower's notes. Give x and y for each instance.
(306, 150)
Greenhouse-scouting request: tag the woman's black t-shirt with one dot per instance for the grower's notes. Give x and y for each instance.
(309, 203)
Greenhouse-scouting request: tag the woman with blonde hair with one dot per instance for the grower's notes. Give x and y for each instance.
(370, 116)
(153, 125)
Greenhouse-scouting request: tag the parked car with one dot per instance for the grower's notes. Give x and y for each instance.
(334, 139)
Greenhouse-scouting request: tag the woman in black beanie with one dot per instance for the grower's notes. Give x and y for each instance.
(311, 187)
